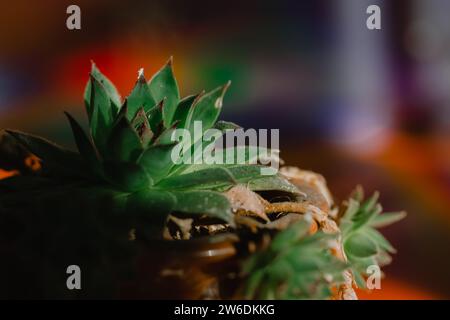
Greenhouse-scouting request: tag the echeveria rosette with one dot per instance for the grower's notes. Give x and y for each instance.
(295, 265)
(127, 152)
(365, 246)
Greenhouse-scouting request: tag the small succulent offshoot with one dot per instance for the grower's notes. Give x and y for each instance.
(122, 184)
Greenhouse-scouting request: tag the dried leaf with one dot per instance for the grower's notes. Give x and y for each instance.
(246, 202)
(184, 226)
(284, 221)
(316, 182)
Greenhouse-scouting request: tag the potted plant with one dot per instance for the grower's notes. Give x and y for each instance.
(140, 225)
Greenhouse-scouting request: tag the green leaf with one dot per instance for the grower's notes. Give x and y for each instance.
(124, 143)
(360, 245)
(252, 284)
(164, 86)
(141, 125)
(288, 237)
(281, 269)
(84, 145)
(359, 279)
(379, 239)
(248, 155)
(226, 125)
(101, 115)
(249, 159)
(272, 183)
(217, 177)
(352, 209)
(268, 289)
(207, 108)
(360, 265)
(210, 178)
(107, 84)
(363, 245)
(210, 203)
(182, 110)
(364, 217)
(346, 223)
(246, 173)
(307, 260)
(140, 97)
(152, 201)
(151, 206)
(383, 258)
(155, 117)
(165, 137)
(239, 155)
(358, 194)
(127, 176)
(386, 219)
(293, 266)
(53, 156)
(370, 203)
(157, 161)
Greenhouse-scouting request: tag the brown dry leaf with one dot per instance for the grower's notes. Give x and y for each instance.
(246, 202)
(284, 222)
(211, 229)
(249, 222)
(298, 207)
(346, 290)
(312, 184)
(329, 226)
(184, 227)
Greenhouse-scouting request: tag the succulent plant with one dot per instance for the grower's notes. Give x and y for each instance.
(123, 183)
(363, 244)
(298, 263)
(129, 155)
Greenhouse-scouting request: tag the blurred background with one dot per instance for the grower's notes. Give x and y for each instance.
(369, 107)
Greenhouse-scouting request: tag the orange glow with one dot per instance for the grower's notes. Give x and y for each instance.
(71, 73)
(414, 164)
(395, 290)
(33, 162)
(7, 173)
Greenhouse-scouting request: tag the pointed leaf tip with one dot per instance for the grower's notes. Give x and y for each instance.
(160, 105)
(170, 61)
(93, 65)
(207, 108)
(163, 84)
(219, 101)
(141, 76)
(84, 145)
(107, 85)
(140, 96)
